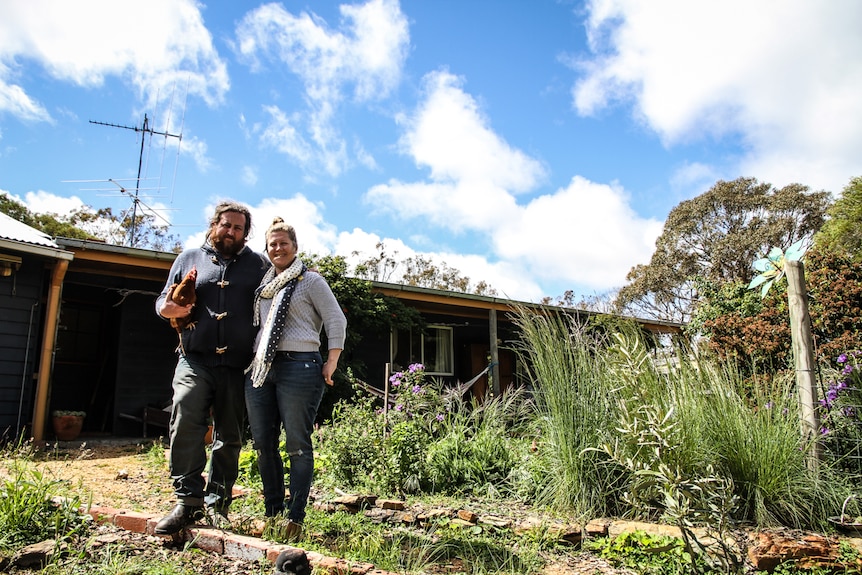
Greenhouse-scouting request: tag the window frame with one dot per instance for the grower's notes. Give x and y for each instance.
(449, 353)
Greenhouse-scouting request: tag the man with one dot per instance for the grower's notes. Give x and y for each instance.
(209, 378)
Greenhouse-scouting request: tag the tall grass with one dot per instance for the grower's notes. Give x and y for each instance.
(574, 395)
(31, 509)
(616, 422)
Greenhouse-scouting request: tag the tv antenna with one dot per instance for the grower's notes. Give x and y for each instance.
(145, 130)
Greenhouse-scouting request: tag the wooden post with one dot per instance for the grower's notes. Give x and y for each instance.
(803, 354)
(495, 356)
(386, 398)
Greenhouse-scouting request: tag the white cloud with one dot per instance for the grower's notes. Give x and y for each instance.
(779, 76)
(249, 176)
(43, 202)
(450, 135)
(197, 150)
(313, 234)
(15, 101)
(474, 173)
(366, 53)
(83, 44)
(585, 235)
(506, 277)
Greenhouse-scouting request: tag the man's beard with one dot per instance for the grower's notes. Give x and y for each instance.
(225, 249)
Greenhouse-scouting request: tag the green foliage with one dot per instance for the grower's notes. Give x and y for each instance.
(647, 554)
(716, 236)
(441, 543)
(31, 509)
(841, 414)
(427, 441)
(350, 446)
(691, 441)
(51, 224)
(757, 334)
(842, 232)
(155, 455)
(118, 559)
(481, 446)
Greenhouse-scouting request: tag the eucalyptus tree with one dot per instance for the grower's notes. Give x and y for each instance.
(715, 237)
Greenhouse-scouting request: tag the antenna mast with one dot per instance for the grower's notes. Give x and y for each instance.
(144, 129)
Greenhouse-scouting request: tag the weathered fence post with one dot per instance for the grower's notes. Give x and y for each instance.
(803, 354)
(495, 355)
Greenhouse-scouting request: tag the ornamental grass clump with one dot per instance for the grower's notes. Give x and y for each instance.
(574, 395)
(685, 439)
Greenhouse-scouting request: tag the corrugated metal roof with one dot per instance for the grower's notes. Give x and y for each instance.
(12, 229)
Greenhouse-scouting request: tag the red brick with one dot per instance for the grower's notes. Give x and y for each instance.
(102, 514)
(208, 539)
(132, 521)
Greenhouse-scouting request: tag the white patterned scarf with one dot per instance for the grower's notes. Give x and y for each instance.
(271, 332)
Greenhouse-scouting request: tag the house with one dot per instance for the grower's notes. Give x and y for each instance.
(83, 335)
(32, 270)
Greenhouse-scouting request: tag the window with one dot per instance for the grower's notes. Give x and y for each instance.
(433, 349)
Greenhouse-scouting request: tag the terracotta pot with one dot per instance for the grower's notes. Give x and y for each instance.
(67, 427)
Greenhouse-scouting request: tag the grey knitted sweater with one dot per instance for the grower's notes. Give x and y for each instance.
(312, 307)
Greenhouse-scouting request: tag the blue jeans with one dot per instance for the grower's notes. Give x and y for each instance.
(290, 397)
(199, 390)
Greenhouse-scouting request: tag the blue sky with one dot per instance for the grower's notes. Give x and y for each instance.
(537, 145)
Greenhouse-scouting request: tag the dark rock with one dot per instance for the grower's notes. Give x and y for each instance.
(293, 561)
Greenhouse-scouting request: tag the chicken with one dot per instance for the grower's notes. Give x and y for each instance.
(183, 294)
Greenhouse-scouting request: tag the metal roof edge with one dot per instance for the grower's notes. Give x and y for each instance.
(36, 249)
(85, 245)
(512, 303)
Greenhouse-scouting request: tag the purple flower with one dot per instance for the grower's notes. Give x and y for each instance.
(824, 431)
(417, 389)
(842, 358)
(768, 405)
(399, 407)
(848, 369)
(440, 417)
(414, 367)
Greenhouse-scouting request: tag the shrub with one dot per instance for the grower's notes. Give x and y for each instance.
(841, 414)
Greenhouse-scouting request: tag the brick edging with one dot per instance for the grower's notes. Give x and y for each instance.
(227, 543)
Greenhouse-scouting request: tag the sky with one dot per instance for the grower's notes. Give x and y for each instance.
(536, 145)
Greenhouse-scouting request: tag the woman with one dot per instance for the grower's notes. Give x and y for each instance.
(286, 379)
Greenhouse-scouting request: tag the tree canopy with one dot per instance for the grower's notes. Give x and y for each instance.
(756, 332)
(86, 223)
(842, 231)
(716, 237)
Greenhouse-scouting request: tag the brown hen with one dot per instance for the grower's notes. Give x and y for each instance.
(183, 294)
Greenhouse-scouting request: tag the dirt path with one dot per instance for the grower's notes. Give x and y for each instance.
(135, 477)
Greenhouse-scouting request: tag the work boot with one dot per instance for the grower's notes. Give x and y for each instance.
(179, 517)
